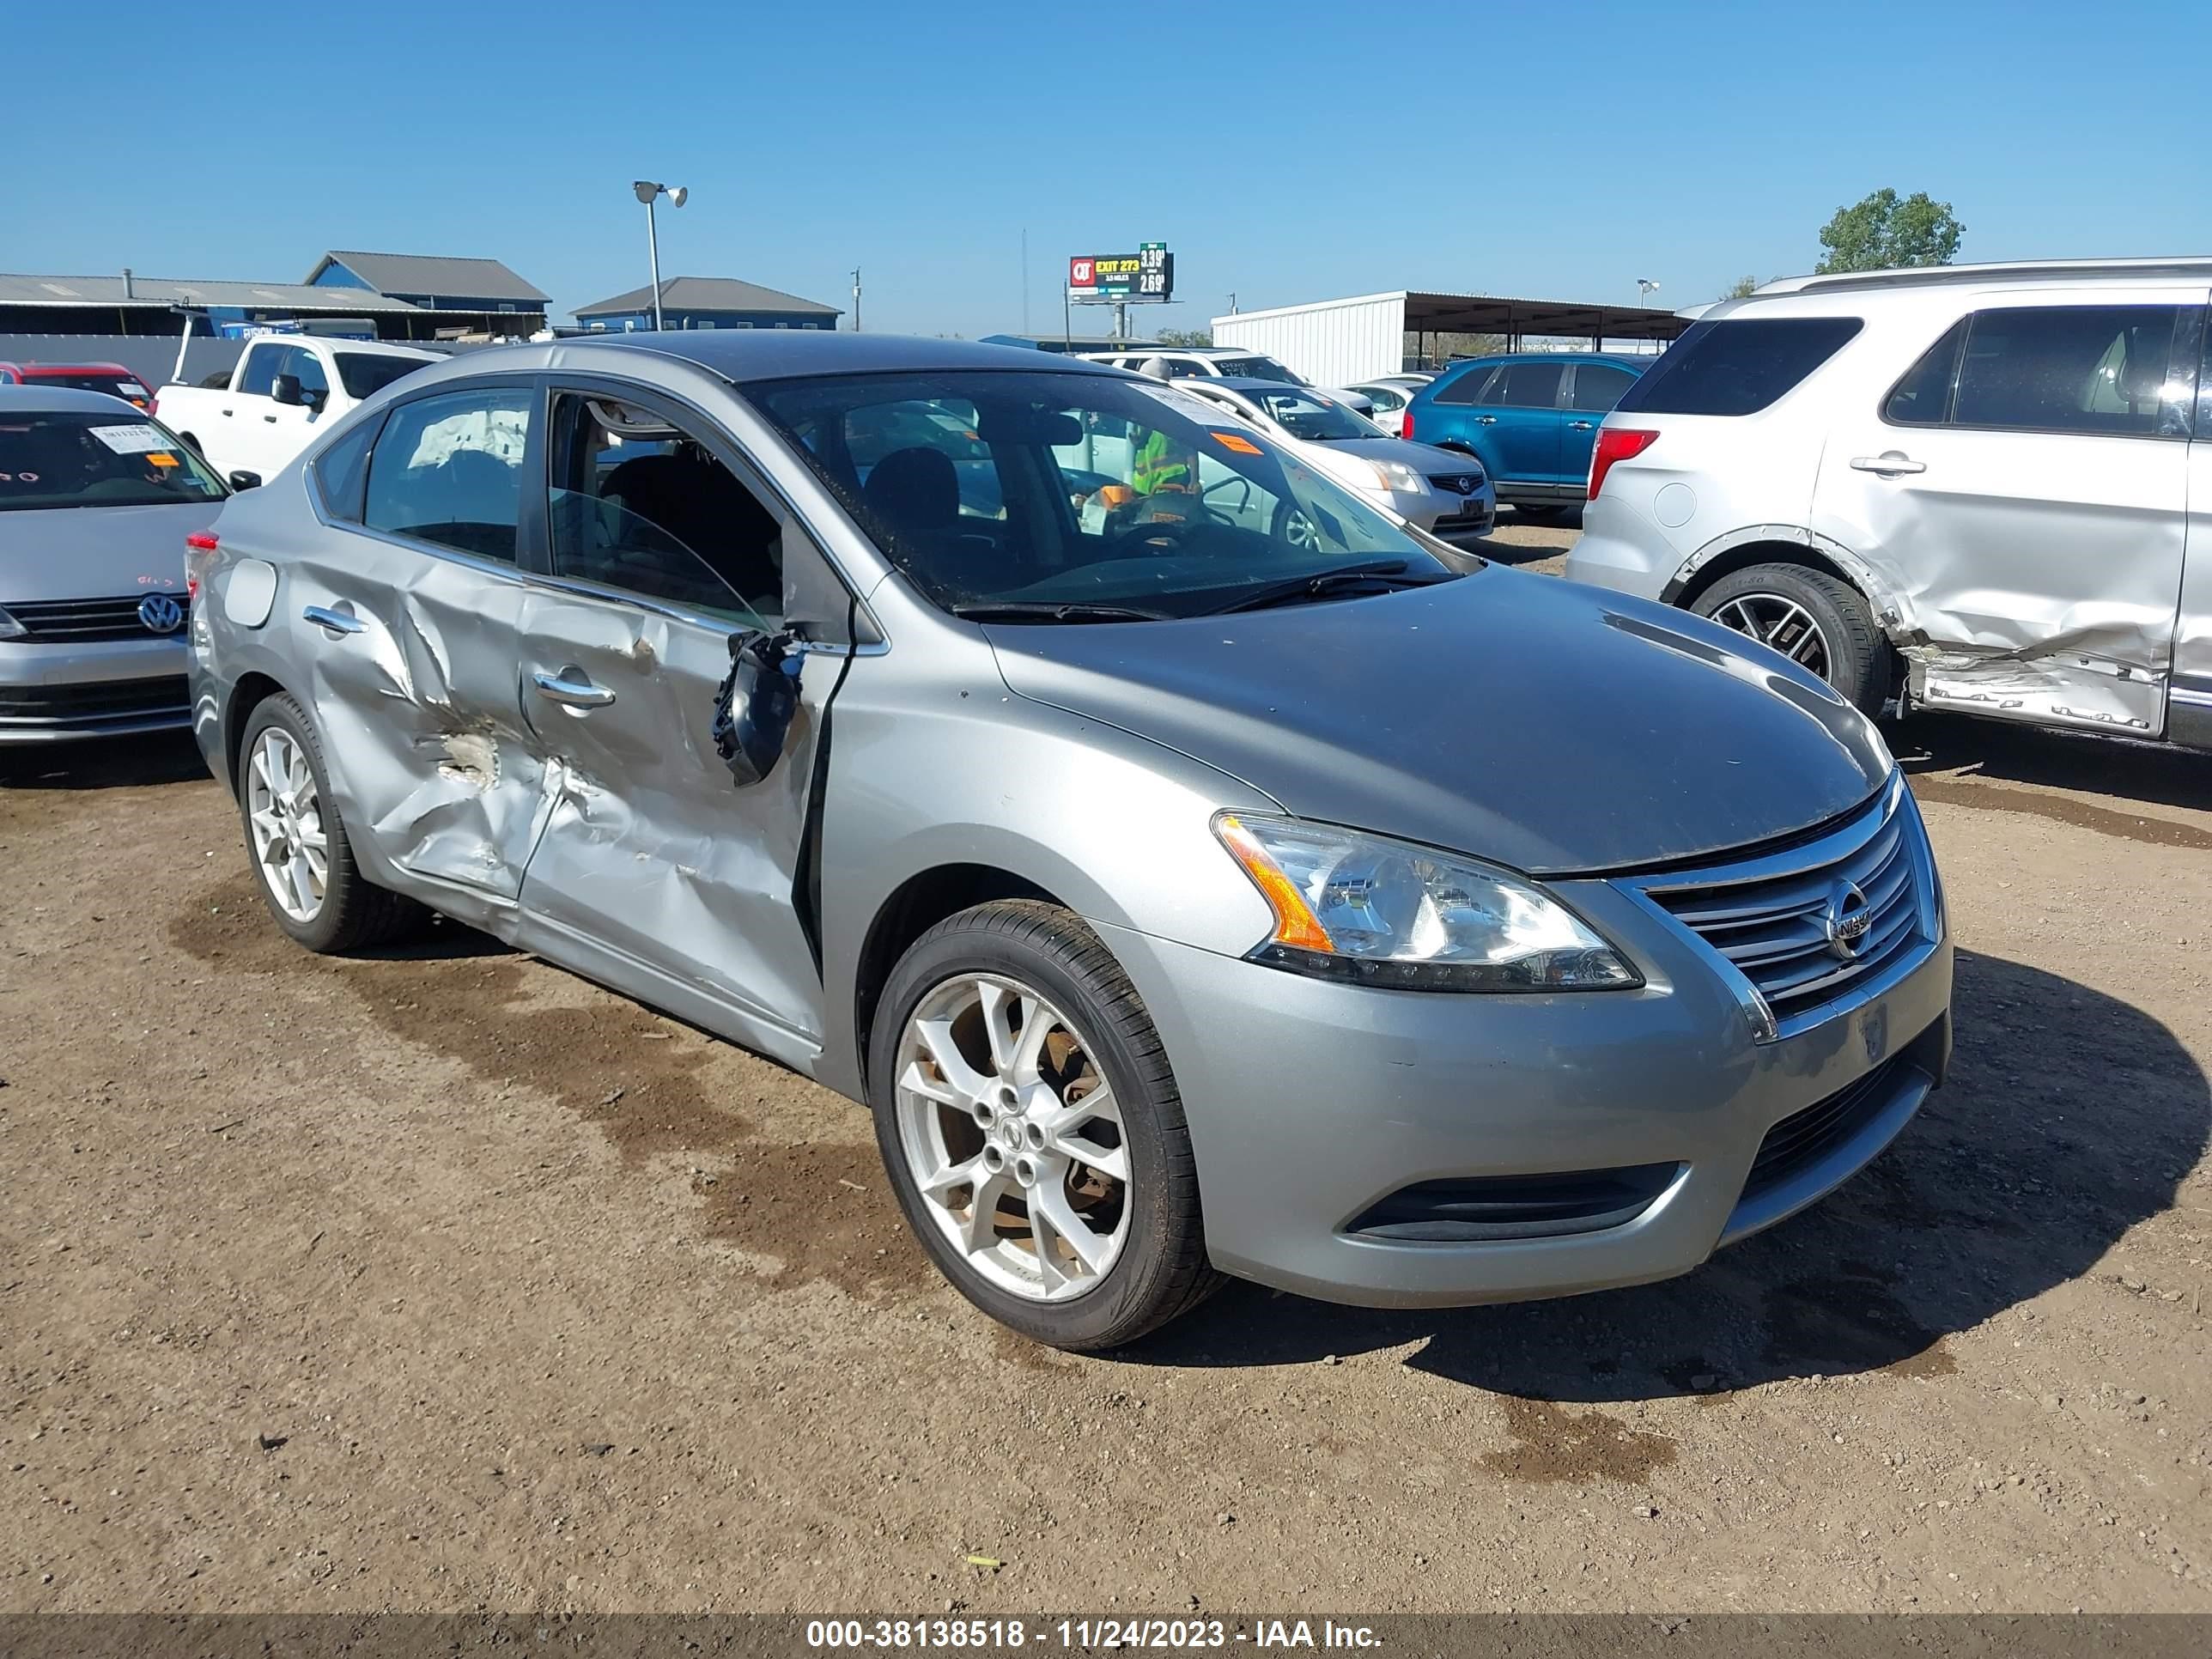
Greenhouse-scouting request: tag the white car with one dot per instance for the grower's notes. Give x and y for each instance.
(284, 390)
(1218, 363)
(1438, 490)
(1979, 487)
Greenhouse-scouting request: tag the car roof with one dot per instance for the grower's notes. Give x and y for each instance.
(1996, 273)
(51, 399)
(761, 353)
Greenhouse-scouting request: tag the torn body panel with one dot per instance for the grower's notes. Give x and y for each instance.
(429, 751)
(2030, 576)
(650, 854)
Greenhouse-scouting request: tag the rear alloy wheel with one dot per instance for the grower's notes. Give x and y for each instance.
(1821, 623)
(301, 857)
(1032, 1131)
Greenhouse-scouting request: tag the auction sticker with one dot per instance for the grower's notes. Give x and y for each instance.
(141, 439)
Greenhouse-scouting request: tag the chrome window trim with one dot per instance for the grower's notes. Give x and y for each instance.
(1813, 856)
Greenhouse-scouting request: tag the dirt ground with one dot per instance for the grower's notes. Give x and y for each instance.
(451, 1281)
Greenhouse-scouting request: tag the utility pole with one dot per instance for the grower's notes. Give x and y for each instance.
(1025, 281)
(1232, 302)
(856, 299)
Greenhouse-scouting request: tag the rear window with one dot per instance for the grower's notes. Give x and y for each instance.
(114, 384)
(366, 374)
(1255, 369)
(1737, 366)
(68, 459)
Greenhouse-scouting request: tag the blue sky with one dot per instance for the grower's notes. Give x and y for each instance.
(1286, 152)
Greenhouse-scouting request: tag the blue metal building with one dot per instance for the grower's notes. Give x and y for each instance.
(470, 295)
(705, 302)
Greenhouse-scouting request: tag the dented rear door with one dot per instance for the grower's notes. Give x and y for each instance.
(2021, 494)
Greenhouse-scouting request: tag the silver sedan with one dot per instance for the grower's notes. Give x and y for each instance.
(1194, 872)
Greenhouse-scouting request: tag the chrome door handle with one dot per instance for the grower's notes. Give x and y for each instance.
(1485, 420)
(1580, 426)
(570, 694)
(1889, 463)
(334, 622)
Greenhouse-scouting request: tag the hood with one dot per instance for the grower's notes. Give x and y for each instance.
(1554, 728)
(97, 552)
(1425, 458)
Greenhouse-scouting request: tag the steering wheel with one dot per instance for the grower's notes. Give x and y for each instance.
(1140, 520)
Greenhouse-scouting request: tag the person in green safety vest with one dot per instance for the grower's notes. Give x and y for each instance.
(1162, 463)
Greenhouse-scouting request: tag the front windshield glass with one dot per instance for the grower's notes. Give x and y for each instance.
(1003, 487)
(1305, 414)
(1255, 369)
(55, 459)
(366, 374)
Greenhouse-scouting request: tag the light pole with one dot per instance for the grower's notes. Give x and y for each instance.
(1645, 288)
(856, 299)
(647, 189)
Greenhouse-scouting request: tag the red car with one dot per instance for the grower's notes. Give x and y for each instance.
(113, 379)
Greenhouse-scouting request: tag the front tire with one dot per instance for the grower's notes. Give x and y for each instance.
(1816, 621)
(1032, 1130)
(302, 860)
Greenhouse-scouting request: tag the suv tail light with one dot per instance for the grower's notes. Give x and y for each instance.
(1616, 443)
(1405, 423)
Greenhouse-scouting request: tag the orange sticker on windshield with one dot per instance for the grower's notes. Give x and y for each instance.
(159, 459)
(1242, 446)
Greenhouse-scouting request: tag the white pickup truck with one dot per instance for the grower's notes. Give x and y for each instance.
(285, 388)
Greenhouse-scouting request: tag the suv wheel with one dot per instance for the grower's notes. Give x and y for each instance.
(1032, 1131)
(301, 857)
(1815, 620)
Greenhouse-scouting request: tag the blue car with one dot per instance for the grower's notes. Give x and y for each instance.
(1531, 419)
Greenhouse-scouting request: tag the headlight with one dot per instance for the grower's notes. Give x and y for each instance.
(1396, 475)
(10, 628)
(1376, 911)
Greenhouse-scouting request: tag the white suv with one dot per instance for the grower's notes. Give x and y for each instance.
(1983, 488)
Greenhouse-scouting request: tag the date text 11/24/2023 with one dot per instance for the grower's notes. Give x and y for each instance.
(989, 1634)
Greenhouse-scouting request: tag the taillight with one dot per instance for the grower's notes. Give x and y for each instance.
(1405, 423)
(1616, 443)
(198, 547)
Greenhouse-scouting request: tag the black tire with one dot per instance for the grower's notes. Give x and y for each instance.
(1859, 662)
(1546, 513)
(1162, 1271)
(356, 914)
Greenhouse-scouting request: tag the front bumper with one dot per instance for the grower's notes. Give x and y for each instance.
(52, 692)
(1311, 1104)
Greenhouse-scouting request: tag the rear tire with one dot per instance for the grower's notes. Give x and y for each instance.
(286, 808)
(1001, 1110)
(1818, 621)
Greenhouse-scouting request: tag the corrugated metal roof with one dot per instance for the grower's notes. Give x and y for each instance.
(161, 293)
(429, 273)
(708, 293)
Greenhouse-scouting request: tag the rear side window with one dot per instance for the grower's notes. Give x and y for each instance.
(1922, 397)
(448, 469)
(343, 469)
(1524, 386)
(1599, 386)
(1737, 366)
(1462, 388)
(2066, 368)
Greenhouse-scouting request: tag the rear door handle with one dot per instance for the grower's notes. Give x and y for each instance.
(1485, 420)
(271, 419)
(570, 693)
(334, 623)
(1889, 463)
(1580, 426)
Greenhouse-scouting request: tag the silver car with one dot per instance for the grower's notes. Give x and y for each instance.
(1194, 871)
(95, 503)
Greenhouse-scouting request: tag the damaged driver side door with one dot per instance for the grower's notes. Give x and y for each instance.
(655, 871)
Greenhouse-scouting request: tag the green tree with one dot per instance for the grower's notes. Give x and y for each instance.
(1184, 336)
(1743, 289)
(1883, 233)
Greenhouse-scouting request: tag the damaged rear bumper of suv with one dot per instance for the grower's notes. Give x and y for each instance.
(1399, 1148)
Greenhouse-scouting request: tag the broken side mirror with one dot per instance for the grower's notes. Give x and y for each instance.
(757, 700)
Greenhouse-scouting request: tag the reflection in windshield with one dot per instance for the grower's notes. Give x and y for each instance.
(1054, 491)
(1308, 415)
(58, 459)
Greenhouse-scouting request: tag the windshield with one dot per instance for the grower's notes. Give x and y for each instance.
(125, 386)
(1255, 369)
(366, 374)
(1311, 415)
(76, 459)
(1059, 489)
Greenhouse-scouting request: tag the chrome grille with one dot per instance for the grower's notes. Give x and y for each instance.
(87, 619)
(1808, 927)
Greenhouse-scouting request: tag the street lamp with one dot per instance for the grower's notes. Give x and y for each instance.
(1645, 288)
(647, 189)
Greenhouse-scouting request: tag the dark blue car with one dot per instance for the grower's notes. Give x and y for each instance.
(1531, 419)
